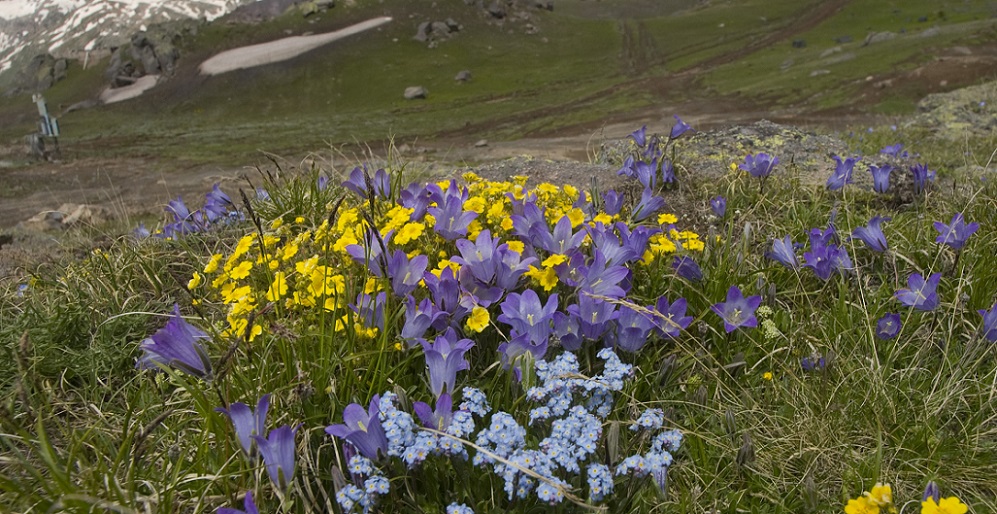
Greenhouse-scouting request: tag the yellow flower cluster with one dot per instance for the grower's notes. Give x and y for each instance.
(875, 501)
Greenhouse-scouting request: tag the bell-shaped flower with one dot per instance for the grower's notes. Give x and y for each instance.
(217, 204)
(527, 315)
(479, 256)
(687, 268)
(872, 234)
(672, 320)
(637, 240)
(362, 184)
(362, 428)
(896, 150)
(647, 173)
(177, 345)
(444, 358)
(520, 345)
(784, 251)
(475, 292)
(562, 240)
(594, 316)
(737, 311)
(880, 177)
(416, 197)
(633, 327)
(511, 266)
(370, 310)
(451, 219)
(530, 225)
(248, 423)
(759, 165)
(373, 253)
(602, 279)
(629, 168)
(438, 418)
(956, 232)
(406, 274)
(920, 294)
(667, 172)
(566, 330)
(679, 128)
(649, 205)
(888, 327)
(607, 242)
(640, 136)
(989, 328)
(278, 451)
(446, 293)
(826, 259)
(419, 317)
(842, 173)
(612, 202)
(719, 206)
(247, 504)
(922, 175)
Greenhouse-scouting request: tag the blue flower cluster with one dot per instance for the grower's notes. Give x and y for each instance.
(368, 484)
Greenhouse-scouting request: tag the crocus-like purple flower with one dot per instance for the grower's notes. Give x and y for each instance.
(277, 450)
(217, 204)
(989, 328)
(673, 320)
(759, 165)
(606, 240)
(248, 423)
(247, 504)
(872, 234)
(784, 252)
(880, 177)
(629, 168)
(447, 296)
(373, 253)
(640, 136)
(647, 173)
(687, 268)
(826, 259)
(679, 128)
(419, 317)
(438, 418)
(888, 327)
(594, 316)
(931, 491)
(444, 358)
(737, 311)
(719, 206)
(362, 428)
(479, 255)
(894, 150)
(813, 363)
(649, 204)
(511, 266)
(563, 240)
(141, 232)
(416, 197)
(612, 202)
(526, 315)
(920, 293)
(922, 175)
(667, 171)
(360, 178)
(405, 274)
(956, 232)
(842, 173)
(177, 345)
(567, 331)
(632, 328)
(517, 346)
(370, 310)
(451, 219)
(601, 278)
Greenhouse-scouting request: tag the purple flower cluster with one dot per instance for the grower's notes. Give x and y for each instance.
(218, 208)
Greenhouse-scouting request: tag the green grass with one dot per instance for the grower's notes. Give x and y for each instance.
(83, 430)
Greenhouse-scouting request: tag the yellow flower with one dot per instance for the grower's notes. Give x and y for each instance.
(950, 505)
(496, 212)
(571, 191)
(408, 233)
(768, 376)
(278, 288)
(554, 260)
(861, 505)
(516, 246)
(212, 265)
(275, 224)
(576, 216)
(476, 204)
(880, 495)
(506, 224)
(194, 281)
(473, 229)
(478, 320)
(243, 246)
(241, 271)
(289, 251)
(547, 188)
(603, 218)
(667, 219)
(694, 245)
(547, 278)
(299, 219)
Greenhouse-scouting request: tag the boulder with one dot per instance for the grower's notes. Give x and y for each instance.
(414, 92)
(496, 9)
(879, 37)
(41, 73)
(66, 216)
(422, 33)
(463, 76)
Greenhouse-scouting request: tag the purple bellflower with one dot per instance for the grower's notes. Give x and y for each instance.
(479, 256)
(511, 267)
(373, 253)
(438, 418)
(476, 292)
(601, 278)
(872, 234)
(177, 345)
(784, 251)
(920, 294)
(931, 491)
(956, 232)
(737, 311)
(629, 168)
(880, 177)
(632, 329)
(141, 232)
(679, 128)
(812, 363)
(894, 151)
(604, 239)
(405, 274)
(566, 330)
(370, 310)
(447, 296)
(612, 202)
(452, 220)
(647, 173)
(526, 315)
(759, 165)
(217, 205)
(277, 450)
(667, 172)
(362, 428)
(826, 259)
(419, 317)
(640, 136)
(922, 175)
(687, 268)
(247, 503)
(518, 346)
(562, 240)
(594, 316)
(360, 178)
(719, 206)
(444, 358)
(888, 327)
(649, 204)
(989, 328)
(842, 173)
(672, 320)
(417, 197)
(248, 423)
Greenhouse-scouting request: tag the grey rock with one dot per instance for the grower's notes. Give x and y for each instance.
(414, 92)
(463, 76)
(932, 32)
(496, 9)
(829, 51)
(453, 25)
(799, 43)
(481, 143)
(440, 29)
(817, 73)
(843, 39)
(422, 33)
(879, 37)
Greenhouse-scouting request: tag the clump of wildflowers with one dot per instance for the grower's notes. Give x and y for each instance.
(178, 345)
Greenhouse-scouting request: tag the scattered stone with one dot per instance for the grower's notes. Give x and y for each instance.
(817, 73)
(414, 92)
(843, 39)
(497, 10)
(788, 63)
(453, 25)
(932, 32)
(463, 76)
(961, 50)
(879, 37)
(66, 216)
(41, 73)
(953, 115)
(799, 43)
(830, 51)
(422, 33)
(481, 143)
